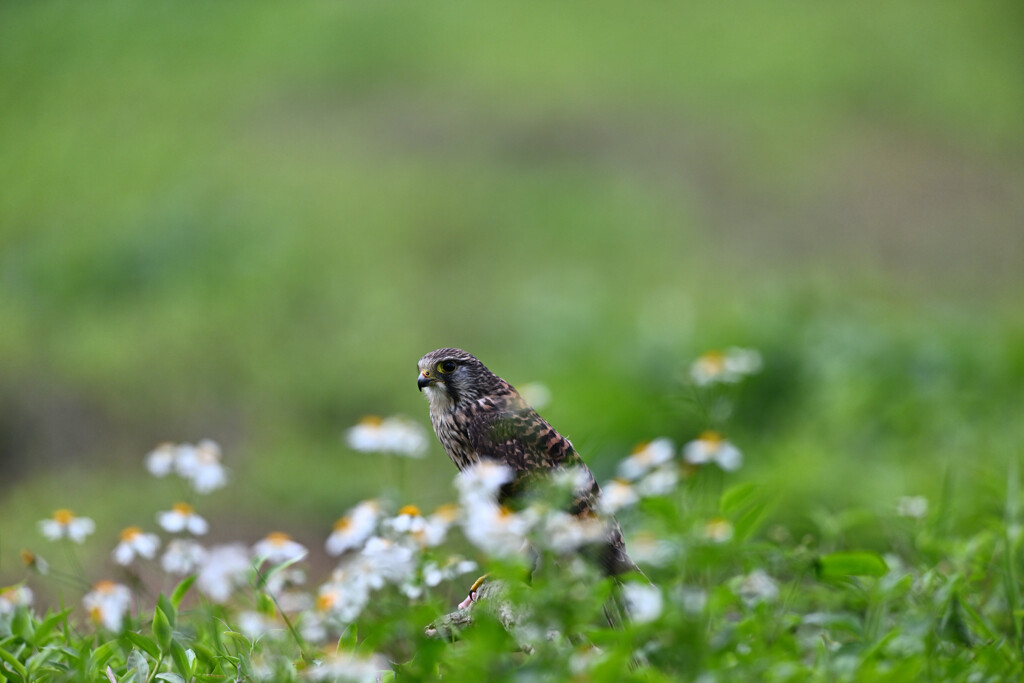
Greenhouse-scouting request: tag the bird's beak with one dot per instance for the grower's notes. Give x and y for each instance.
(424, 381)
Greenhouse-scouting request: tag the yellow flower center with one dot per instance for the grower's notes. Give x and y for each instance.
(342, 524)
(183, 509)
(130, 532)
(95, 614)
(104, 586)
(504, 512)
(325, 601)
(711, 438)
(639, 447)
(28, 557)
(449, 512)
(714, 360)
(63, 516)
(278, 538)
(371, 421)
(410, 510)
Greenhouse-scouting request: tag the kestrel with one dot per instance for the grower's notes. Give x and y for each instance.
(478, 415)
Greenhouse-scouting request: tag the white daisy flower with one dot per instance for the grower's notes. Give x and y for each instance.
(408, 521)
(206, 471)
(160, 460)
(256, 625)
(645, 457)
(398, 435)
(64, 524)
(343, 598)
(352, 530)
(351, 667)
(658, 482)
(183, 556)
(388, 561)
(757, 587)
(107, 603)
(643, 601)
(182, 517)
(14, 597)
(434, 574)
(646, 548)
(224, 567)
(278, 547)
(482, 480)
(727, 366)
(495, 529)
(617, 494)
(134, 542)
(915, 507)
(719, 530)
(564, 532)
(710, 446)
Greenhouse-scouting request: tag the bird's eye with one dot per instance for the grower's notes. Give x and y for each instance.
(446, 366)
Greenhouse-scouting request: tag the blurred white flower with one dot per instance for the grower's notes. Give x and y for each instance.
(352, 530)
(409, 520)
(535, 394)
(710, 446)
(182, 517)
(437, 526)
(398, 435)
(757, 587)
(200, 464)
(658, 482)
(160, 460)
(206, 471)
(495, 529)
(256, 625)
(13, 597)
(645, 457)
(107, 603)
(64, 524)
(434, 574)
(719, 530)
(646, 548)
(388, 561)
(350, 667)
(482, 480)
(182, 556)
(134, 542)
(277, 547)
(644, 601)
(223, 568)
(343, 598)
(564, 532)
(727, 366)
(617, 494)
(915, 507)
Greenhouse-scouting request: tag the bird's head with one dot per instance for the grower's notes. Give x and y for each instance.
(453, 376)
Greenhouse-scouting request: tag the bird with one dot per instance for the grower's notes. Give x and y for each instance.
(477, 415)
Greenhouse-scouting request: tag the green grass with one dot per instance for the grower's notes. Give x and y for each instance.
(247, 222)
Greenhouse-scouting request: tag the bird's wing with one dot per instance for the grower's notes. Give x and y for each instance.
(512, 432)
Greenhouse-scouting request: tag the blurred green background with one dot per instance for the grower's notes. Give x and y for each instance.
(247, 221)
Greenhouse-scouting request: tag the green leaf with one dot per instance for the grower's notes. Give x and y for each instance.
(181, 589)
(137, 662)
(21, 624)
(170, 678)
(181, 659)
(46, 626)
(843, 564)
(737, 496)
(16, 666)
(98, 658)
(144, 643)
(168, 609)
(161, 628)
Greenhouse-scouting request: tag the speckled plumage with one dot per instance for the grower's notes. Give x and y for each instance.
(477, 414)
